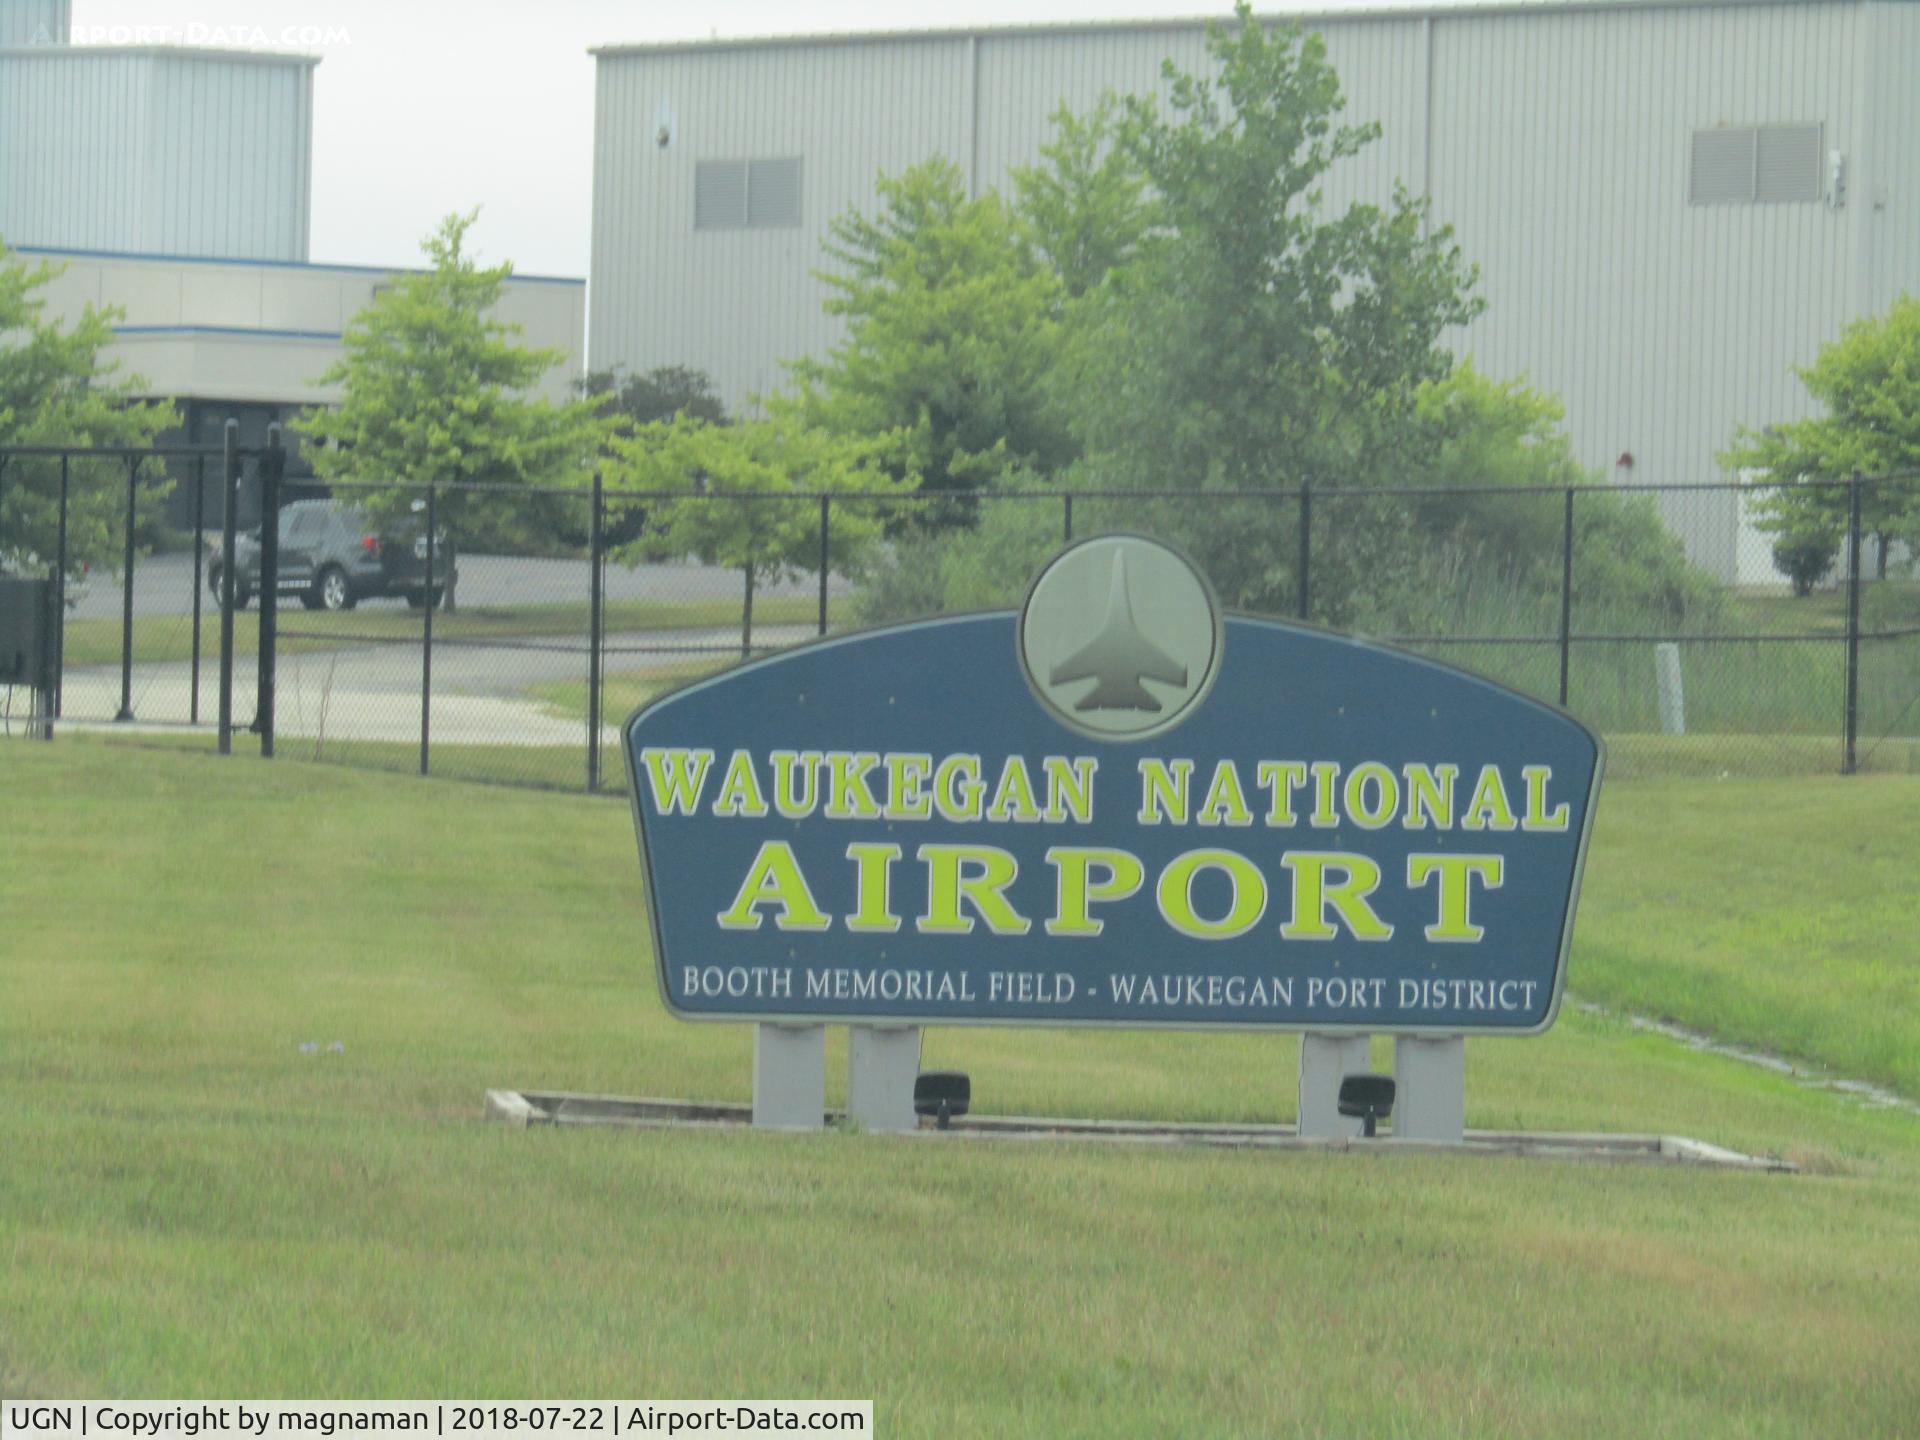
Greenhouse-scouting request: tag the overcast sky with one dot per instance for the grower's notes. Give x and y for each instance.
(426, 106)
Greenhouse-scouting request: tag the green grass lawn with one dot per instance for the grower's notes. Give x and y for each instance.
(1778, 913)
(190, 1206)
(1800, 933)
(623, 691)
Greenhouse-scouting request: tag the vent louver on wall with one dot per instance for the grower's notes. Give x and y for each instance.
(773, 193)
(747, 194)
(1722, 172)
(1788, 164)
(1748, 164)
(720, 195)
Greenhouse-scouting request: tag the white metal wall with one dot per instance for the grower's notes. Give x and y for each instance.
(1561, 148)
(737, 302)
(1023, 80)
(1885, 185)
(156, 151)
(1554, 138)
(245, 330)
(35, 22)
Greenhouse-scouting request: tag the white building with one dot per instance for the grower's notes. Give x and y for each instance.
(1672, 202)
(250, 338)
(173, 184)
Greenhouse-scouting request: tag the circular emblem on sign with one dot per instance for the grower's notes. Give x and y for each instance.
(1120, 637)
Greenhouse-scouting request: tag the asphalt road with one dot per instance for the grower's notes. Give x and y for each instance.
(163, 585)
(372, 692)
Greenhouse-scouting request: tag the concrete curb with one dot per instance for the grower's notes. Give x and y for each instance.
(525, 1109)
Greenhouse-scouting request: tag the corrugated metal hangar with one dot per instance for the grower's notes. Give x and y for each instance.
(174, 184)
(1672, 202)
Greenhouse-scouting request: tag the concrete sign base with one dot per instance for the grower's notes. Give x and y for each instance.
(1429, 1074)
(790, 1077)
(1430, 1084)
(1325, 1060)
(882, 1064)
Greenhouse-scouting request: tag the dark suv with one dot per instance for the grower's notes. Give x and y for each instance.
(331, 558)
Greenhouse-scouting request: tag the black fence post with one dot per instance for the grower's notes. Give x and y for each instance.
(596, 623)
(1849, 758)
(199, 579)
(42, 703)
(1306, 549)
(60, 565)
(1066, 519)
(426, 637)
(126, 602)
(826, 534)
(1566, 599)
(265, 669)
(746, 618)
(229, 503)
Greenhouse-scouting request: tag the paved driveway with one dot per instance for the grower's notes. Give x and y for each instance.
(163, 585)
(372, 692)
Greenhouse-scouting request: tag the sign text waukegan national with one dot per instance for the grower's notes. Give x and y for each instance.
(1112, 807)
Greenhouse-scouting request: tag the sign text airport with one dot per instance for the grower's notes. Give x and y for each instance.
(1251, 824)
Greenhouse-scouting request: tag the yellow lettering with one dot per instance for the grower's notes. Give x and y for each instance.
(1325, 774)
(1456, 872)
(873, 877)
(976, 874)
(958, 791)
(1070, 788)
(1372, 814)
(1538, 816)
(677, 777)
(1122, 877)
(848, 797)
(1163, 790)
(796, 801)
(1013, 796)
(1430, 796)
(1314, 893)
(1226, 802)
(775, 879)
(740, 791)
(906, 777)
(1281, 778)
(1176, 894)
(1489, 809)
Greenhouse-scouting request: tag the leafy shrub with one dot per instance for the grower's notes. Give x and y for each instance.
(1804, 559)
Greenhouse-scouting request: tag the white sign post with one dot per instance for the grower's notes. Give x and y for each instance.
(1326, 1060)
(789, 1076)
(883, 1061)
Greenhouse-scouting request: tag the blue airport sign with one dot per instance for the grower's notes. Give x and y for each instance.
(1112, 807)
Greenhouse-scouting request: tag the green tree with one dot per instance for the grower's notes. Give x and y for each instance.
(1257, 342)
(951, 330)
(436, 392)
(1492, 440)
(1867, 384)
(56, 390)
(1272, 343)
(1086, 210)
(743, 495)
(659, 394)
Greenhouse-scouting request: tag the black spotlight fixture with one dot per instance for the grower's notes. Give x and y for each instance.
(1369, 1097)
(943, 1094)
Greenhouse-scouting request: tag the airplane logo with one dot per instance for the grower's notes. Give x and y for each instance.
(1084, 655)
(1119, 658)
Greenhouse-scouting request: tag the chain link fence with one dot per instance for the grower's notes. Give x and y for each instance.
(503, 634)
